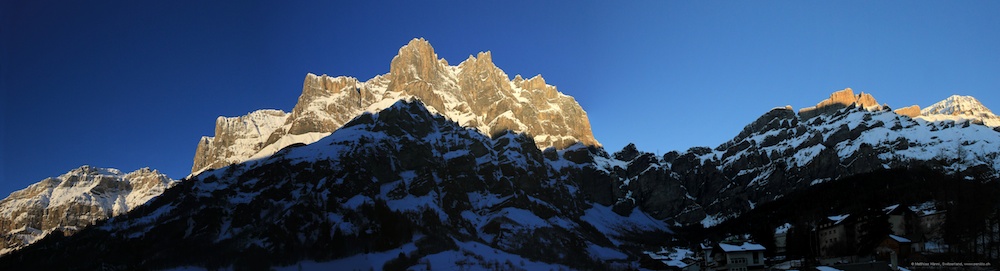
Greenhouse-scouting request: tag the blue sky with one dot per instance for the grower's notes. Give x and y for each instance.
(130, 85)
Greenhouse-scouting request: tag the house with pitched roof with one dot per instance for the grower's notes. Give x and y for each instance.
(742, 257)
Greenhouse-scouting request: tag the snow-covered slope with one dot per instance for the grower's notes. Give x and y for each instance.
(960, 109)
(893, 140)
(783, 151)
(475, 93)
(73, 201)
(402, 181)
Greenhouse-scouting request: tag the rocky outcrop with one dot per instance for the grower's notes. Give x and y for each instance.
(475, 93)
(74, 200)
(910, 111)
(237, 138)
(837, 101)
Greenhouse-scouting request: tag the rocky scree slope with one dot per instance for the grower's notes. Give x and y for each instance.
(475, 93)
(403, 182)
(72, 201)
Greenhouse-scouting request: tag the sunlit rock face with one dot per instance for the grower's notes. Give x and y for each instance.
(910, 111)
(475, 93)
(73, 201)
(237, 138)
(837, 101)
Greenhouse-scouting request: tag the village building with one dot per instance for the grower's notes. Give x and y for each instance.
(839, 235)
(781, 239)
(743, 257)
(903, 221)
(894, 246)
(835, 235)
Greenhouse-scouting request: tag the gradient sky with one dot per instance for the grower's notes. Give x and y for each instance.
(129, 85)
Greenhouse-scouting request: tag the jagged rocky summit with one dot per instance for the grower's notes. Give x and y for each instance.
(72, 201)
(475, 93)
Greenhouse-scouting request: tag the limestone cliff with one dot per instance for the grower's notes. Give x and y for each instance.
(237, 137)
(475, 93)
(910, 111)
(838, 100)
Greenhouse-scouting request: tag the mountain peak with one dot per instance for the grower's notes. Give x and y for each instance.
(475, 94)
(960, 108)
(839, 99)
(416, 61)
(92, 170)
(957, 105)
(485, 56)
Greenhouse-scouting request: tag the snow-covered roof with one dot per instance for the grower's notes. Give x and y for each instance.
(783, 229)
(746, 246)
(837, 219)
(899, 238)
(827, 268)
(673, 257)
(926, 208)
(890, 209)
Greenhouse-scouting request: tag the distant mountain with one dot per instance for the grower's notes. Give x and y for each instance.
(73, 201)
(960, 108)
(782, 151)
(475, 93)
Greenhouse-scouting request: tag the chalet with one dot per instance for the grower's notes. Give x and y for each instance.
(893, 245)
(742, 257)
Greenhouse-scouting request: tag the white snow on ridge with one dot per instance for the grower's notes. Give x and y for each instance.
(956, 105)
(959, 109)
(106, 191)
(288, 140)
(897, 139)
(77, 186)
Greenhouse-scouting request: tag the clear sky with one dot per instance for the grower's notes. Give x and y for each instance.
(129, 85)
